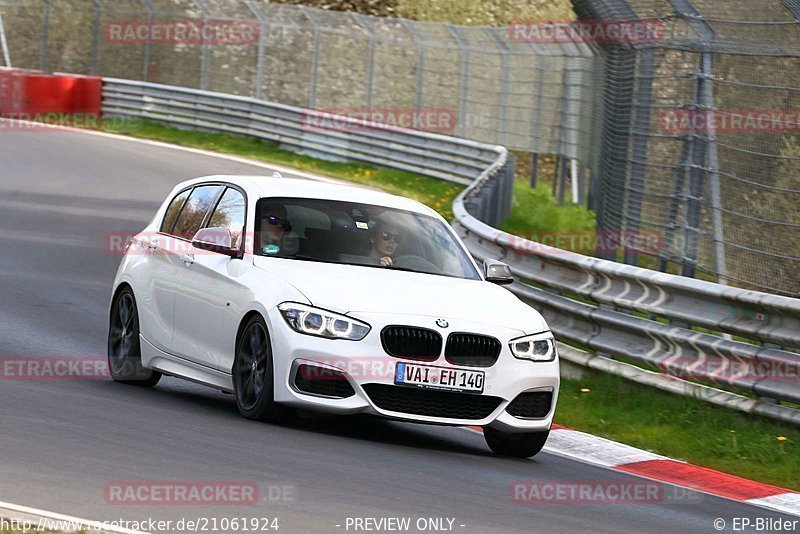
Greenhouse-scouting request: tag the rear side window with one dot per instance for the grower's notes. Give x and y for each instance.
(173, 210)
(194, 211)
(229, 213)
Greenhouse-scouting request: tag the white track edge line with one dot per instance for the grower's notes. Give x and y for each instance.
(93, 526)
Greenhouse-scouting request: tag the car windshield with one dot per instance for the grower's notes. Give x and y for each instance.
(358, 234)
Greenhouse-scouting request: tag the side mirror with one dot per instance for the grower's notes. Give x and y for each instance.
(497, 272)
(218, 240)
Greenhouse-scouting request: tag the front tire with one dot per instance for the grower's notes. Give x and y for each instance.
(254, 375)
(124, 349)
(524, 445)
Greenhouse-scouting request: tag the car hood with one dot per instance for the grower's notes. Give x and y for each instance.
(353, 289)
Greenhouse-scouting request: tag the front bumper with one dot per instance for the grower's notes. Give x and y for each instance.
(365, 362)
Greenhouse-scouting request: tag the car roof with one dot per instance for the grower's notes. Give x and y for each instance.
(269, 186)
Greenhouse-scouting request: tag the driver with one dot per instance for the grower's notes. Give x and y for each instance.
(385, 238)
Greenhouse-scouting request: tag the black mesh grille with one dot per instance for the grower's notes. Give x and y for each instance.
(322, 381)
(531, 405)
(411, 343)
(430, 402)
(472, 350)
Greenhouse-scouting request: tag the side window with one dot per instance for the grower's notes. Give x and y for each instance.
(230, 213)
(173, 210)
(194, 211)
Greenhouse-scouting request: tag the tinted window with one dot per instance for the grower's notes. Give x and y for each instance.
(194, 211)
(229, 213)
(173, 210)
(358, 234)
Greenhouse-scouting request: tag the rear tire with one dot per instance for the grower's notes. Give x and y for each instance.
(524, 445)
(124, 349)
(254, 375)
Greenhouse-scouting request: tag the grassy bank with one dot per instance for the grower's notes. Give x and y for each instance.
(601, 404)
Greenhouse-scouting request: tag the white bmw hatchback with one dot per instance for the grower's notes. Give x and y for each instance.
(299, 294)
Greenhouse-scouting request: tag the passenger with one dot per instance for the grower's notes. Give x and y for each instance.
(385, 239)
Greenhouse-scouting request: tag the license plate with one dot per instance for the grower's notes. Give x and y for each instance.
(446, 378)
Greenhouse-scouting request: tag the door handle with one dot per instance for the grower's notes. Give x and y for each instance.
(188, 259)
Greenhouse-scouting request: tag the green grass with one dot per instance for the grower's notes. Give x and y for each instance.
(682, 428)
(535, 213)
(638, 415)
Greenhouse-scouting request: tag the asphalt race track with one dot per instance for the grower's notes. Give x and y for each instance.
(62, 442)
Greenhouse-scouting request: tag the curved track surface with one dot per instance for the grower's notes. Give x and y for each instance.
(62, 442)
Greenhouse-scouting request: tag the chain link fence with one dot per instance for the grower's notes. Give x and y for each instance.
(473, 82)
(693, 134)
(701, 137)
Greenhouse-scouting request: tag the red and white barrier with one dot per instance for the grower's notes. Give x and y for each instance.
(32, 94)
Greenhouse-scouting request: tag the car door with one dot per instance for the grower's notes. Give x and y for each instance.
(205, 290)
(178, 248)
(156, 273)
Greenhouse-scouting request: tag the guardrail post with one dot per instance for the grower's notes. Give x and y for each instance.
(538, 94)
(263, 33)
(703, 98)
(4, 44)
(490, 195)
(95, 37)
(681, 173)
(370, 56)
(560, 183)
(534, 169)
(464, 85)
(615, 141)
(148, 46)
(693, 216)
(312, 93)
(45, 36)
(715, 197)
(206, 50)
(420, 43)
(571, 87)
(475, 206)
(643, 102)
(508, 196)
(502, 123)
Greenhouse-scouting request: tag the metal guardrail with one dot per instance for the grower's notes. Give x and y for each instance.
(698, 331)
(323, 135)
(683, 327)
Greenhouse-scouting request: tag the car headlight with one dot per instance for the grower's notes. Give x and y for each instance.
(316, 322)
(536, 347)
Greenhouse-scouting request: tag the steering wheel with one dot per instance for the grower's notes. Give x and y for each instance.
(416, 263)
